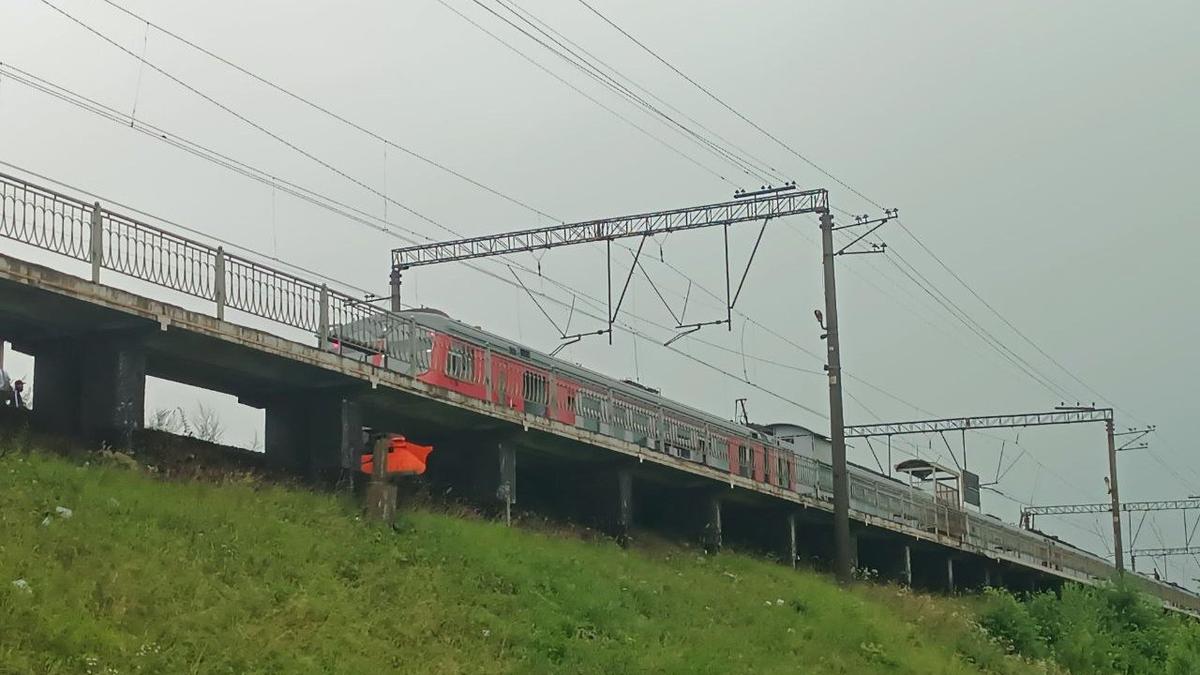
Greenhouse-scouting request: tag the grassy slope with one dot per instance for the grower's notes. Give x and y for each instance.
(157, 576)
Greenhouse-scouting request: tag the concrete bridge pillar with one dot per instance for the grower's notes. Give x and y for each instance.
(314, 435)
(91, 386)
(791, 545)
(906, 574)
(624, 507)
(711, 513)
(480, 468)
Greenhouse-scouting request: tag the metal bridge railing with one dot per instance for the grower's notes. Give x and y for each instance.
(68, 226)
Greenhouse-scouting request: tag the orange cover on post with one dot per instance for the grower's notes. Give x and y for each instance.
(403, 457)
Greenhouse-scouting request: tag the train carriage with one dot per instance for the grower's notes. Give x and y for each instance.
(440, 351)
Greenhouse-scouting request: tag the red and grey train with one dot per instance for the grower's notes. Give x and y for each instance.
(446, 353)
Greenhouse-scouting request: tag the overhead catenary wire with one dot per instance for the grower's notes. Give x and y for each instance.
(760, 164)
(728, 107)
(571, 54)
(586, 95)
(391, 143)
(313, 157)
(364, 218)
(330, 113)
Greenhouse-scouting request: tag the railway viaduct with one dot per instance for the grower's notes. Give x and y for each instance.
(94, 344)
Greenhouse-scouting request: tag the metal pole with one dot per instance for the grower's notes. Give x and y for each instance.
(608, 267)
(837, 433)
(889, 456)
(395, 279)
(1118, 553)
(728, 301)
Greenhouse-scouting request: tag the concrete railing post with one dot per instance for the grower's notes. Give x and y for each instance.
(219, 282)
(414, 345)
(323, 317)
(96, 250)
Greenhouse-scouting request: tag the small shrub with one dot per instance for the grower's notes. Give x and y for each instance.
(1009, 620)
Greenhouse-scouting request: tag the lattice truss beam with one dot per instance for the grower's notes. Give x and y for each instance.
(1073, 416)
(1069, 509)
(1169, 551)
(778, 205)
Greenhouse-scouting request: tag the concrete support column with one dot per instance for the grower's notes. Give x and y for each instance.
(92, 386)
(712, 523)
(906, 568)
(950, 575)
(987, 575)
(506, 491)
(624, 519)
(313, 435)
(792, 548)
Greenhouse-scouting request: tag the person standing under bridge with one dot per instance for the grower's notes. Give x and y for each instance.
(6, 388)
(18, 389)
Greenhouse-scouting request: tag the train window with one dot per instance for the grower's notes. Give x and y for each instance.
(589, 405)
(744, 461)
(460, 362)
(641, 421)
(535, 387)
(424, 349)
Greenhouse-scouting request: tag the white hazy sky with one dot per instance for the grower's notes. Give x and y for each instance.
(1044, 151)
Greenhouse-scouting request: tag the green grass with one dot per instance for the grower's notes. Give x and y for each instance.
(1111, 629)
(238, 576)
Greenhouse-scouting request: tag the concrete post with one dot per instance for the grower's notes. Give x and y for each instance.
(219, 282)
(950, 574)
(96, 251)
(323, 319)
(381, 493)
(987, 576)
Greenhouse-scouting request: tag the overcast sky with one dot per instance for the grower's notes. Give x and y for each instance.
(1045, 152)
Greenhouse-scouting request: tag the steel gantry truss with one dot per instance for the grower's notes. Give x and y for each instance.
(777, 204)
(1029, 513)
(1071, 416)
(1161, 552)
(761, 205)
(1061, 415)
